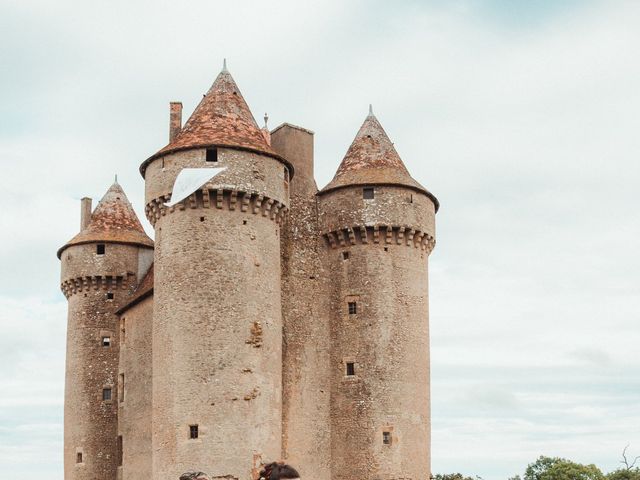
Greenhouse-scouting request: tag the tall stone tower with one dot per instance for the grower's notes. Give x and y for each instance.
(217, 326)
(100, 267)
(378, 223)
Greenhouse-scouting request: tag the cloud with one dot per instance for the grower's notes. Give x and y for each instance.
(521, 118)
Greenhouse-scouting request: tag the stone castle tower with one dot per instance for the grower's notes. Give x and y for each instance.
(269, 320)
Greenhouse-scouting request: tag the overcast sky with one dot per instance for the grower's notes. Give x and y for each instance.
(521, 116)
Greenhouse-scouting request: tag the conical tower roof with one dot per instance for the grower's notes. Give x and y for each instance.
(222, 118)
(372, 160)
(113, 221)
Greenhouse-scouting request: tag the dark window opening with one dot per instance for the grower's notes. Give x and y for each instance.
(411, 198)
(106, 341)
(353, 308)
(386, 249)
(351, 369)
(202, 219)
(345, 255)
(121, 388)
(212, 154)
(193, 431)
(106, 394)
(79, 457)
(244, 222)
(367, 193)
(119, 450)
(100, 249)
(386, 438)
(109, 295)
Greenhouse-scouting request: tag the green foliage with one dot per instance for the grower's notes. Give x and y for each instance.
(452, 476)
(548, 468)
(624, 474)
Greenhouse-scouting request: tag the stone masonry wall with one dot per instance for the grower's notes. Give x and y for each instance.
(90, 423)
(217, 329)
(134, 390)
(306, 388)
(377, 260)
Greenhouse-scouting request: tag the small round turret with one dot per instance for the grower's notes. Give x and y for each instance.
(379, 226)
(100, 268)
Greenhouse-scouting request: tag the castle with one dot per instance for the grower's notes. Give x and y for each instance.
(268, 319)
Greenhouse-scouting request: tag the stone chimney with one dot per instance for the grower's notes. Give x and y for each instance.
(85, 212)
(175, 120)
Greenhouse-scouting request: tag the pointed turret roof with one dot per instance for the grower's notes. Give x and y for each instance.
(222, 118)
(113, 221)
(372, 160)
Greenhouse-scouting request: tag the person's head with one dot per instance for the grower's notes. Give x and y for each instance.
(278, 471)
(194, 476)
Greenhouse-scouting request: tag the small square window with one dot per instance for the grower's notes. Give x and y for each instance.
(367, 193)
(386, 438)
(109, 295)
(351, 369)
(353, 308)
(106, 394)
(78, 457)
(345, 255)
(202, 219)
(193, 432)
(100, 248)
(106, 341)
(212, 155)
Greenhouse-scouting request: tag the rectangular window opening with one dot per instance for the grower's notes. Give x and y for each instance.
(79, 457)
(121, 388)
(100, 249)
(351, 369)
(345, 255)
(106, 394)
(120, 450)
(367, 193)
(386, 438)
(109, 295)
(353, 308)
(212, 154)
(106, 341)
(193, 431)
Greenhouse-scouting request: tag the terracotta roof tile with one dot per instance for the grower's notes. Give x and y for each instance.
(373, 160)
(113, 221)
(222, 119)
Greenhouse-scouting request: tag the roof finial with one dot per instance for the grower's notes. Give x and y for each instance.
(370, 110)
(266, 119)
(224, 65)
(116, 180)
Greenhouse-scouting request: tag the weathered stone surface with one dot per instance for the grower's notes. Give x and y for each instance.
(276, 322)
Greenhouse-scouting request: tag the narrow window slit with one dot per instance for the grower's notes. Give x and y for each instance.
(351, 369)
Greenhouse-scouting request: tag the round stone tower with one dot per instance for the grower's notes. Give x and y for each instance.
(100, 268)
(378, 223)
(217, 331)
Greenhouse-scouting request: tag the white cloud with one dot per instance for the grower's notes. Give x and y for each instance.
(522, 122)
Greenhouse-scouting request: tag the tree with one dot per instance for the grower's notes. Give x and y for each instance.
(548, 468)
(629, 471)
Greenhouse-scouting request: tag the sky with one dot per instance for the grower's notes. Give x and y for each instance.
(520, 116)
